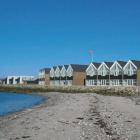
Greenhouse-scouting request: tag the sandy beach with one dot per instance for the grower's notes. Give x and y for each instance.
(75, 117)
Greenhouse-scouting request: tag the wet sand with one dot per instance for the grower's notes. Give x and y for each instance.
(75, 117)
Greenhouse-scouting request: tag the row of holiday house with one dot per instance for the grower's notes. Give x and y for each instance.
(105, 73)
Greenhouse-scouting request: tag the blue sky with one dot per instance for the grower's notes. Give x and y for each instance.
(42, 33)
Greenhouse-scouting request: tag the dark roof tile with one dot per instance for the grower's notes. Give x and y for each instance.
(137, 63)
(54, 67)
(122, 63)
(97, 65)
(60, 67)
(79, 68)
(109, 64)
(66, 66)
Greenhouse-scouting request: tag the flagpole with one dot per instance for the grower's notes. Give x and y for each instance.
(91, 55)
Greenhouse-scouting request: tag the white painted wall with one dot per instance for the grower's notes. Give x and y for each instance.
(21, 81)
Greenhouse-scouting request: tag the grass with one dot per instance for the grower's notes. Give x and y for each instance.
(104, 90)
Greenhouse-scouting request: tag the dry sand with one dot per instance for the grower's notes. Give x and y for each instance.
(75, 117)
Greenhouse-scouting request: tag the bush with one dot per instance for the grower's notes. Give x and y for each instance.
(105, 90)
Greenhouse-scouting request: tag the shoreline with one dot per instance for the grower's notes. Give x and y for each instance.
(33, 107)
(76, 117)
(102, 90)
(43, 100)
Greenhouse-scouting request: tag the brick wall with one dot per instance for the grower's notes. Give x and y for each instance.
(47, 79)
(79, 78)
(138, 78)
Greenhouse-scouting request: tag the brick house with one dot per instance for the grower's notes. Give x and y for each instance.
(76, 75)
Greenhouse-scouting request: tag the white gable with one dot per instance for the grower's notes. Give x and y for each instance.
(116, 64)
(69, 71)
(91, 70)
(128, 65)
(130, 68)
(116, 69)
(103, 65)
(57, 72)
(52, 73)
(103, 69)
(63, 71)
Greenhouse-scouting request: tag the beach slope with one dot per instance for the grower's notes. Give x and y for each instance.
(75, 117)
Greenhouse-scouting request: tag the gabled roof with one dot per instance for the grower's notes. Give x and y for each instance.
(122, 63)
(136, 62)
(54, 67)
(96, 64)
(66, 66)
(60, 67)
(79, 68)
(109, 64)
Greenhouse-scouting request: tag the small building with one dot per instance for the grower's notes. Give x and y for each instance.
(76, 75)
(14, 80)
(34, 81)
(44, 78)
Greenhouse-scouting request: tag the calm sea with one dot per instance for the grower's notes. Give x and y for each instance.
(12, 102)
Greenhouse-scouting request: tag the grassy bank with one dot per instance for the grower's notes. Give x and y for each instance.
(117, 91)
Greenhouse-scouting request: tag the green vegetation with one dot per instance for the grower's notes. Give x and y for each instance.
(105, 90)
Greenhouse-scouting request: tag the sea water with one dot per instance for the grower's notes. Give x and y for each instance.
(12, 102)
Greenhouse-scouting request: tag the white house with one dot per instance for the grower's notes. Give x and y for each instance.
(13, 80)
(92, 74)
(104, 73)
(69, 75)
(130, 72)
(116, 73)
(52, 76)
(63, 74)
(58, 75)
